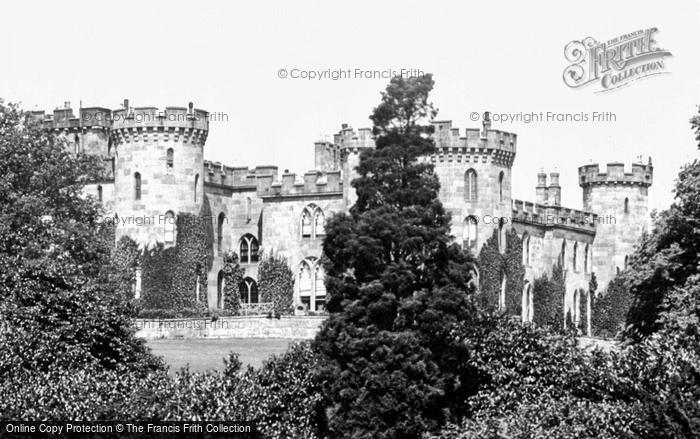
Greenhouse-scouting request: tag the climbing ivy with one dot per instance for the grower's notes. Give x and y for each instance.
(126, 258)
(493, 265)
(548, 299)
(276, 282)
(233, 276)
(609, 314)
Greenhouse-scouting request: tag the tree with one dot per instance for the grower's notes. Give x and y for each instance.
(669, 255)
(58, 307)
(396, 285)
(548, 299)
(233, 276)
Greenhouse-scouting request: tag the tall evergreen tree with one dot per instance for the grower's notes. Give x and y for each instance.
(396, 285)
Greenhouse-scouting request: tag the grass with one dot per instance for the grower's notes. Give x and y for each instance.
(207, 354)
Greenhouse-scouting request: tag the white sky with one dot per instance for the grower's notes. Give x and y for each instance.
(498, 56)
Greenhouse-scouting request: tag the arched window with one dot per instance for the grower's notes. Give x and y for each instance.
(137, 186)
(220, 230)
(526, 249)
(311, 290)
(312, 222)
(220, 284)
(169, 162)
(469, 233)
(249, 249)
(586, 261)
(501, 235)
(575, 256)
(169, 227)
(500, 186)
(99, 193)
(627, 205)
(248, 290)
(196, 186)
(470, 193)
(562, 255)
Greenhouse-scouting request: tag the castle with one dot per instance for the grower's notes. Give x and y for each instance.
(157, 168)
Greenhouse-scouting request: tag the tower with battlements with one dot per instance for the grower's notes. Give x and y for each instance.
(620, 200)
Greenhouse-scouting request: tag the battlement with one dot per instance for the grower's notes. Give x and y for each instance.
(63, 119)
(235, 177)
(448, 140)
(641, 174)
(553, 216)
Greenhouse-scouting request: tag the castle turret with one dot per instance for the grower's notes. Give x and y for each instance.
(620, 199)
(159, 169)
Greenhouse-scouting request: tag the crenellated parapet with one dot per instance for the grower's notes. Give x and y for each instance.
(641, 175)
(451, 145)
(312, 183)
(174, 123)
(554, 216)
(63, 119)
(235, 177)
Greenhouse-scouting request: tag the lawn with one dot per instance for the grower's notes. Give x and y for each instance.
(204, 354)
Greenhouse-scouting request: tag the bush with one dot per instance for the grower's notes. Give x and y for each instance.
(609, 310)
(548, 299)
(233, 276)
(276, 283)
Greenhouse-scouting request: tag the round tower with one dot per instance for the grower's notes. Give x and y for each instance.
(621, 201)
(159, 170)
(475, 180)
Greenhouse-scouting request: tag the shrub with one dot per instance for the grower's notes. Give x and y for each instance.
(276, 282)
(609, 311)
(548, 299)
(233, 276)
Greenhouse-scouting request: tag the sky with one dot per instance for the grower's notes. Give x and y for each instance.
(226, 57)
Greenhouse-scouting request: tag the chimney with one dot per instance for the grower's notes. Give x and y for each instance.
(541, 188)
(486, 124)
(66, 105)
(554, 189)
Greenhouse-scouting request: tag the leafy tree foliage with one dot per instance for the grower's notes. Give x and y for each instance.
(396, 285)
(610, 308)
(276, 282)
(58, 307)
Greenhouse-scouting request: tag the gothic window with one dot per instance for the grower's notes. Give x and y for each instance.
(586, 267)
(470, 193)
(99, 193)
(310, 284)
(220, 230)
(169, 159)
(469, 233)
(248, 290)
(169, 227)
(249, 249)
(196, 186)
(312, 222)
(575, 255)
(137, 186)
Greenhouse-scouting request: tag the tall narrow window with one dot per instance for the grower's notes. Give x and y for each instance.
(562, 255)
(169, 227)
(248, 290)
(526, 249)
(137, 186)
(220, 230)
(627, 205)
(501, 235)
(469, 233)
(586, 268)
(196, 186)
(306, 224)
(500, 186)
(99, 193)
(319, 223)
(248, 213)
(220, 285)
(575, 256)
(470, 193)
(169, 159)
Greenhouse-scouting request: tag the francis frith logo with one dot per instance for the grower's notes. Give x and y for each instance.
(614, 63)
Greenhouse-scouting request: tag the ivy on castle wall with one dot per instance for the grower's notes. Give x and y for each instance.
(276, 283)
(126, 258)
(548, 294)
(494, 265)
(609, 310)
(233, 276)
